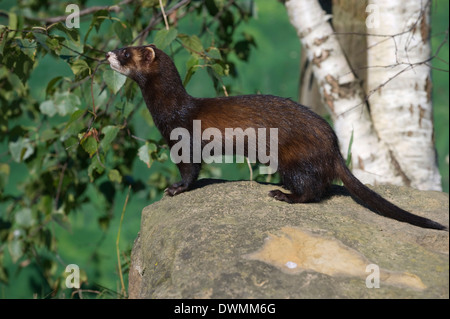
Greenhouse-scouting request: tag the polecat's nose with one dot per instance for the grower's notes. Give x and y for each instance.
(107, 55)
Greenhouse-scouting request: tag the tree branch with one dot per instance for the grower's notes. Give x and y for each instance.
(156, 19)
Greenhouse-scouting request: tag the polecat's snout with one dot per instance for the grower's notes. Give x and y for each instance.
(108, 56)
(115, 64)
(111, 57)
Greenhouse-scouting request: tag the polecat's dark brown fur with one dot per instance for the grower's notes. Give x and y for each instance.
(309, 159)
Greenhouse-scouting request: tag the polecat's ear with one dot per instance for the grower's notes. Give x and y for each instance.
(149, 54)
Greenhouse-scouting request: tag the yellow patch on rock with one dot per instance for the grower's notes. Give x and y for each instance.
(296, 250)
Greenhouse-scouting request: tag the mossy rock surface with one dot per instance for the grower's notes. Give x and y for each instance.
(231, 240)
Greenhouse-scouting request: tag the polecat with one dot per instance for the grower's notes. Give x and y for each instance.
(309, 159)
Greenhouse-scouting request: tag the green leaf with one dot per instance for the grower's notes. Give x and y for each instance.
(163, 157)
(24, 218)
(145, 115)
(15, 248)
(72, 128)
(28, 47)
(70, 49)
(114, 80)
(152, 147)
(70, 142)
(53, 44)
(80, 68)
(51, 85)
(72, 34)
(48, 108)
(17, 84)
(191, 43)
(41, 39)
(100, 96)
(144, 154)
(45, 204)
(114, 176)
(48, 134)
(75, 117)
(21, 149)
(110, 133)
(95, 166)
(214, 53)
(61, 219)
(66, 103)
(123, 31)
(127, 109)
(90, 145)
(98, 18)
(13, 22)
(164, 37)
(218, 69)
(192, 66)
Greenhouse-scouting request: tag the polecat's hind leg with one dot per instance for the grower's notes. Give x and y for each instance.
(285, 197)
(292, 198)
(306, 187)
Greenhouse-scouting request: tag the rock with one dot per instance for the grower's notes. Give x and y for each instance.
(231, 240)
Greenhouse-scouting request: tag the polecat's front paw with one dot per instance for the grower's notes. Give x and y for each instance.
(176, 189)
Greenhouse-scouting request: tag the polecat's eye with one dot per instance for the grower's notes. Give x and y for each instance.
(126, 54)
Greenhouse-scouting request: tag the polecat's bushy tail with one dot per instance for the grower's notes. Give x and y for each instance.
(381, 205)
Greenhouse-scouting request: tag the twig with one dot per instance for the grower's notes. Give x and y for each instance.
(138, 138)
(156, 19)
(58, 191)
(117, 243)
(366, 98)
(219, 14)
(92, 96)
(80, 292)
(164, 14)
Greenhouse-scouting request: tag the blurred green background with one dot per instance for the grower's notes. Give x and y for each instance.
(273, 68)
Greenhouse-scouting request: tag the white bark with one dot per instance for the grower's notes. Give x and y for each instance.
(371, 159)
(399, 85)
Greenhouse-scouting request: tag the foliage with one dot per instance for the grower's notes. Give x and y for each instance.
(79, 143)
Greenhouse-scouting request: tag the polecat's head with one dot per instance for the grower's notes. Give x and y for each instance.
(134, 62)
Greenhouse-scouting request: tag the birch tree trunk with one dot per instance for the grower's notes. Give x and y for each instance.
(349, 17)
(349, 23)
(342, 94)
(399, 85)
